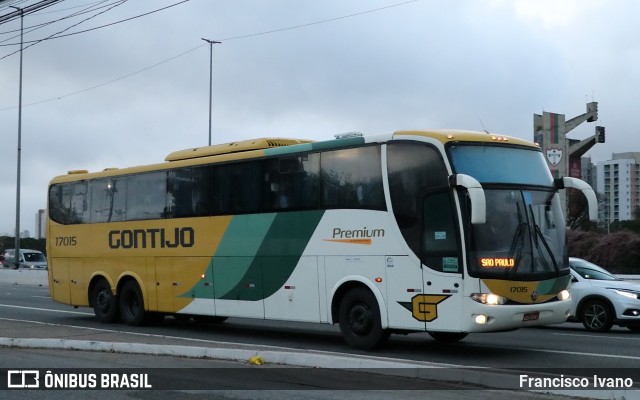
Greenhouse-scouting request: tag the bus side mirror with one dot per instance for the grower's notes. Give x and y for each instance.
(587, 191)
(476, 195)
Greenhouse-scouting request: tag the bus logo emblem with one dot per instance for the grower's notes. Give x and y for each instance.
(534, 296)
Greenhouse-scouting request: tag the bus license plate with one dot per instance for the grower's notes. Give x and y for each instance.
(531, 316)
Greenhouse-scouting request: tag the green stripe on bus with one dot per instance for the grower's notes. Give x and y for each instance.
(234, 256)
(554, 285)
(277, 257)
(274, 151)
(315, 146)
(257, 255)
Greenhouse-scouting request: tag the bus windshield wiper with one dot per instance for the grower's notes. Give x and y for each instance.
(518, 240)
(539, 235)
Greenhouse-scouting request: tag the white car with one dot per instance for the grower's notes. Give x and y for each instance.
(32, 259)
(601, 300)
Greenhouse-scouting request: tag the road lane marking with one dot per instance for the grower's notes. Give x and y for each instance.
(248, 345)
(598, 336)
(573, 353)
(45, 309)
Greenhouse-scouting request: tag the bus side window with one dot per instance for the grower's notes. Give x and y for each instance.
(146, 196)
(236, 188)
(108, 199)
(188, 192)
(292, 183)
(413, 169)
(439, 236)
(60, 202)
(352, 178)
(69, 203)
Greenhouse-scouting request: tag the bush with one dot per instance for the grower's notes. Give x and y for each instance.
(618, 252)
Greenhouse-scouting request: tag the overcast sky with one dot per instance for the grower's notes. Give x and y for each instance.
(373, 66)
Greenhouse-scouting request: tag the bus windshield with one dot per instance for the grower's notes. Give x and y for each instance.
(524, 235)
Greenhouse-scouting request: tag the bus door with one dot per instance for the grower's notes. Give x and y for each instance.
(404, 290)
(440, 305)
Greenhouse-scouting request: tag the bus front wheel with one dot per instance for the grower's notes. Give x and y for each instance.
(359, 318)
(105, 304)
(132, 304)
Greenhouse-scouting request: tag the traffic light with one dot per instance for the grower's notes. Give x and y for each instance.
(599, 134)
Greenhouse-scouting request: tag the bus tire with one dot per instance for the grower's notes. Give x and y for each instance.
(132, 304)
(448, 337)
(359, 318)
(104, 302)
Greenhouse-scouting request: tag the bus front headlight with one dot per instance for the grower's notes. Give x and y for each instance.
(564, 295)
(488, 298)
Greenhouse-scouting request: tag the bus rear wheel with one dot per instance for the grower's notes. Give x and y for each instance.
(105, 304)
(132, 304)
(359, 318)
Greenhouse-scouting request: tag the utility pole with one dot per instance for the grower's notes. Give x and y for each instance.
(211, 43)
(17, 243)
(5, 18)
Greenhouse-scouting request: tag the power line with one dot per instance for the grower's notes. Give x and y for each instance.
(202, 45)
(32, 28)
(56, 36)
(33, 43)
(20, 12)
(108, 82)
(319, 22)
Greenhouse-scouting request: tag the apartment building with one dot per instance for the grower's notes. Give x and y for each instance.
(618, 182)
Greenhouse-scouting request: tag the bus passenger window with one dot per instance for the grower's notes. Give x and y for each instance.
(292, 183)
(352, 178)
(108, 199)
(236, 188)
(146, 196)
(188, 192)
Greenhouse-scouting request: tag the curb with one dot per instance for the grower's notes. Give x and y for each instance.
(492, 379)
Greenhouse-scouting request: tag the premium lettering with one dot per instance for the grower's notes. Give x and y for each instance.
(152, 238)
(357, 233)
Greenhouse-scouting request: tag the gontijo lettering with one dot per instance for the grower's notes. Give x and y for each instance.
(152, 238)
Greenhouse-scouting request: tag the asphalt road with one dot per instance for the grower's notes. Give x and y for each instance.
(26, 311)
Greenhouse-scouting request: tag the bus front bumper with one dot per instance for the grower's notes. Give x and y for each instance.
(492, 318)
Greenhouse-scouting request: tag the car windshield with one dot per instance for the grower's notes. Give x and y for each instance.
(588, 270)
(34, 257)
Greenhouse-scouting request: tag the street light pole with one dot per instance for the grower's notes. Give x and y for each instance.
(17, 242)
(211, 43)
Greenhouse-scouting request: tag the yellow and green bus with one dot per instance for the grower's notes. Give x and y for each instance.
(444, 232)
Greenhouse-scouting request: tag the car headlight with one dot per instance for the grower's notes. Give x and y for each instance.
(626, 293)
(488, 298)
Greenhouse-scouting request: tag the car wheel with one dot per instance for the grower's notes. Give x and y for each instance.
(359, 318)
(597, 316)
(105, 304)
